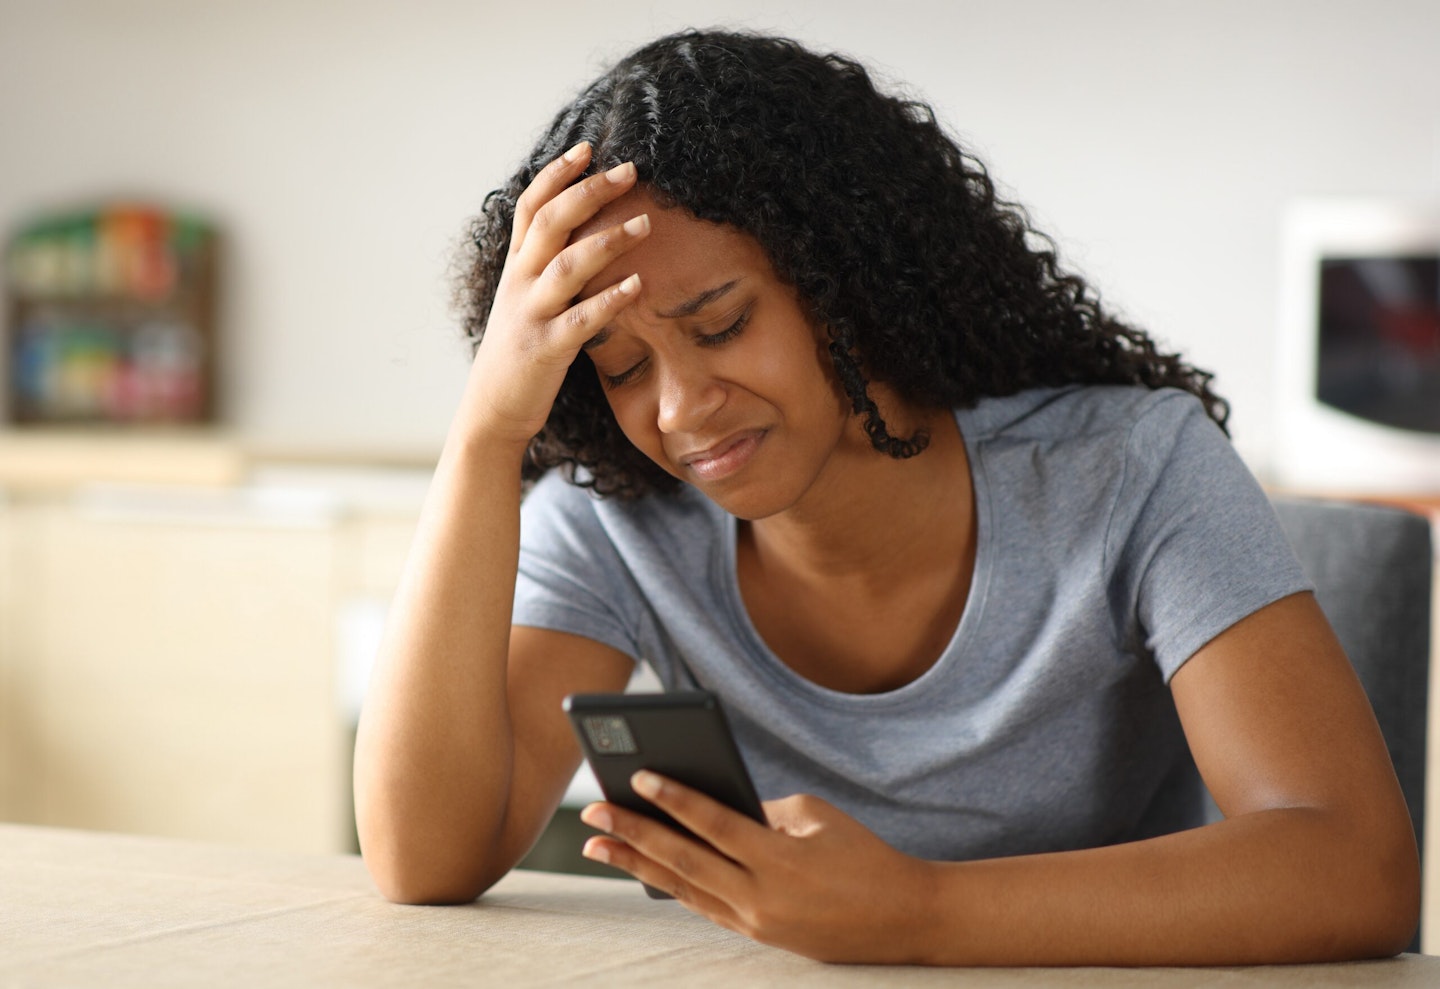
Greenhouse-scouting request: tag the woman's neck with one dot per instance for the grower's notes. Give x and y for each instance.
(875, 520)
(861, 588)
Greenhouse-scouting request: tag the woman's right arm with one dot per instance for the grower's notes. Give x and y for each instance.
(463, 752)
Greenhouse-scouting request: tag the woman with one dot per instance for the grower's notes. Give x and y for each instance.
(823, 428)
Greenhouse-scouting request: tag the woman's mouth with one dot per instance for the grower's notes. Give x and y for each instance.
(724, 458)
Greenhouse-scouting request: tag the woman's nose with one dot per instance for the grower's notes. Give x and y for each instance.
(689, 395)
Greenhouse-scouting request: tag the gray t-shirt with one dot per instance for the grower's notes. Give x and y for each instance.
(1118, 532)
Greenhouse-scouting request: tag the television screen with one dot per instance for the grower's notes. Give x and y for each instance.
(1379, 339)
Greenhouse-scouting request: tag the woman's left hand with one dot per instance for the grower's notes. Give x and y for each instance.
(815, 881)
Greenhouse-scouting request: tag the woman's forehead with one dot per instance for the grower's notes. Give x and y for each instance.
(682, 254)
(675, 219)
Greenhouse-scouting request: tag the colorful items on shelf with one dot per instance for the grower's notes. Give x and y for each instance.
(134, 252)
(68, 370)
(110, 318)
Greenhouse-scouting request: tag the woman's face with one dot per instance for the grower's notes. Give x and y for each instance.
(714, 372)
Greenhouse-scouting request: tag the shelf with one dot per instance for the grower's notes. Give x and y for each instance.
(111, 319)
(59, 458)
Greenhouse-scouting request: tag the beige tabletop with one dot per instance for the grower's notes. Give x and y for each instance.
(87, 909)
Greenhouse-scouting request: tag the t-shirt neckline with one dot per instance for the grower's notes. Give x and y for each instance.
(782, 676)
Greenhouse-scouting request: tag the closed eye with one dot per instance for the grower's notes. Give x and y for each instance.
(729, 333)
(624, 377)
(705, 340)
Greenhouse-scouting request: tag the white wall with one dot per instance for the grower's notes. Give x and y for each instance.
(343, 144)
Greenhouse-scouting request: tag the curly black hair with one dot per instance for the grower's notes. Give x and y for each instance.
(892, 236)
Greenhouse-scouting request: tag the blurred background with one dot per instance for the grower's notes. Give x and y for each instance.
(340, 147)
(189, 592)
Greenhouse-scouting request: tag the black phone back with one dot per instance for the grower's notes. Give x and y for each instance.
(681, 735)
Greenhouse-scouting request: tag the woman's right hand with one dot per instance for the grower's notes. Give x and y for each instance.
(536, 328)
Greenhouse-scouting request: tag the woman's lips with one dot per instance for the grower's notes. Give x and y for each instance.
(724, 458)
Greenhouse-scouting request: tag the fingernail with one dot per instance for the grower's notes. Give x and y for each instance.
(596, 851)
(597, 817)
(637, 225)
(574, 153)
(645, 783)
(621, 172)
(629, 286)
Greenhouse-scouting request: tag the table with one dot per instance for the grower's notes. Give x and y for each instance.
(89, 909)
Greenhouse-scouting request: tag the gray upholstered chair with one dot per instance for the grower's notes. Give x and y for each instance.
(1372, 567)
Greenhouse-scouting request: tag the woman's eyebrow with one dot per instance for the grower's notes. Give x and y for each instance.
(687, 308)
(692, 306)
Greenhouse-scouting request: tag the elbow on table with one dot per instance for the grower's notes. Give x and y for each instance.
(1382, 916)
(425, 894)
(412, 860)
(1399, 917)
(426, 882)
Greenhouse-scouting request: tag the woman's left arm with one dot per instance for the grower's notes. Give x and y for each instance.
(1282, 732)
(1316, 859)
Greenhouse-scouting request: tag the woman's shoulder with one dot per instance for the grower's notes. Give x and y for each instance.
(1090, 445)
(556, 501)
(1077, 411)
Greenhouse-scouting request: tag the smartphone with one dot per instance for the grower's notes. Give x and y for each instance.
(682, 735)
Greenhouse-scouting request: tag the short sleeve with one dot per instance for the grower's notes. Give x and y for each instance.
(1193, 545)
(570, 578)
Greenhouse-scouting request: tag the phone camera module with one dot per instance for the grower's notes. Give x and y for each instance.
(609, 735)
